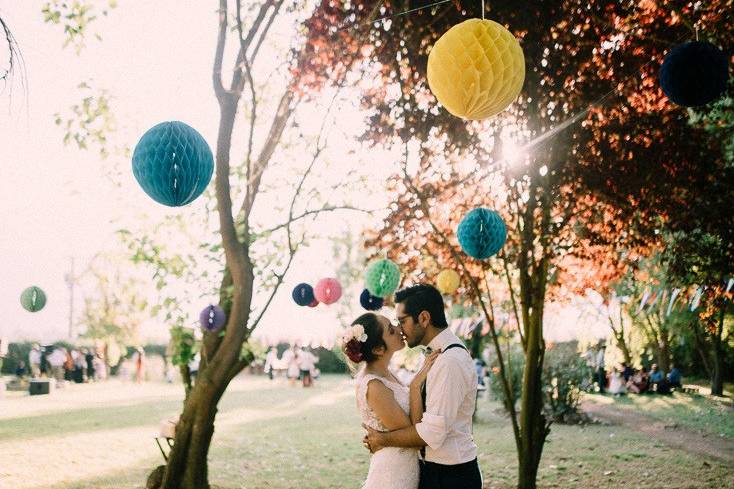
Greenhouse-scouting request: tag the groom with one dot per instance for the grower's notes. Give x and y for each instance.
(444, 434)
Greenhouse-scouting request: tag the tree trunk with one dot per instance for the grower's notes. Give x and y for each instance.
(664, 351)
(620, 338)
(701, 347)
(187, 466)
(533, 427)
(187, 462)
(621, 342)
(717, 352)
(185, 378)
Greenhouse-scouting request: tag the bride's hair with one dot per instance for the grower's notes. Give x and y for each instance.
(361, 351)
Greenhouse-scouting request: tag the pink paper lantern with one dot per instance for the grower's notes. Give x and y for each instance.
(327, 291)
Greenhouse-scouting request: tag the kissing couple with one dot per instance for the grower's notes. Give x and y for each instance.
(419, 435)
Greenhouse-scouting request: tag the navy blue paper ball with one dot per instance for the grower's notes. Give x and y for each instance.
(694, 73)
(303, 294)
(173, 163)
(212, 318)
(369, 301)
(481, 233)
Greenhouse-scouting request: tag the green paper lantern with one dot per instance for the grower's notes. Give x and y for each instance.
(382, 278)
(33, 299)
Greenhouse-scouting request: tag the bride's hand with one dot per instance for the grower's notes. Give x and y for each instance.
(422, 374)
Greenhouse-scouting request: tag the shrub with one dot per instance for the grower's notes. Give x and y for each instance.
(564, 372)
(517, 364)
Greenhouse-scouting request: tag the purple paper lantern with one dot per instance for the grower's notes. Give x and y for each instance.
(212, 318)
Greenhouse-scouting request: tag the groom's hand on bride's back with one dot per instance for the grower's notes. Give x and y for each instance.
(372, 441)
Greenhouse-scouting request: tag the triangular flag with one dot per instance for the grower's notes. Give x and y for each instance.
(657, 296)
(673, 296)
(696, 298)
(644, 300)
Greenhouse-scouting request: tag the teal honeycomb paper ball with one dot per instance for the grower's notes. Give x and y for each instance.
(173, 163)
(33, 299)
(481, 233)
(382, 278)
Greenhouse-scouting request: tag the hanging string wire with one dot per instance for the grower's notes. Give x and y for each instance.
(388, 17)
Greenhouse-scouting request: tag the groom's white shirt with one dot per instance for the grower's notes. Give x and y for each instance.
(451, 386)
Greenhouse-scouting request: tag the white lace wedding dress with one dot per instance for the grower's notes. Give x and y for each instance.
(390, 468)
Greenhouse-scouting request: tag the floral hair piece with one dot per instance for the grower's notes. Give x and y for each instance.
(355, 332)
(351, 339)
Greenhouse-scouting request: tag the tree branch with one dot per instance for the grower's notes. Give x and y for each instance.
(320, 145)
(282, 115)
(264, 32)
(237, 80)
(219, 90)
(512, 298)
(327, 208)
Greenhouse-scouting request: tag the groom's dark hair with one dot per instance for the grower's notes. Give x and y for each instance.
(423, 297)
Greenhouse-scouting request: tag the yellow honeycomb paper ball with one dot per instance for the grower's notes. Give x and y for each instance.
(476, 69)
(448, 281)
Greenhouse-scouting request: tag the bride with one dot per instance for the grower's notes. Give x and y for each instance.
(383, 402)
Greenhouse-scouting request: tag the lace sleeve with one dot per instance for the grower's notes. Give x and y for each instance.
(368, 416)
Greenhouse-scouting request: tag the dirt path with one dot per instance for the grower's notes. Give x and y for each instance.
(703, 444)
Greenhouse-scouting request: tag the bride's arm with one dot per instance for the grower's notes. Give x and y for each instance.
(382, 401)
(416, 385)
(416, 404)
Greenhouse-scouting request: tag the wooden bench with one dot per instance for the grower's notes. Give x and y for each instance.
(690, 389)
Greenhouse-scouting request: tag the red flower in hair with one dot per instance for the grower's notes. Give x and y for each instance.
(352, 349)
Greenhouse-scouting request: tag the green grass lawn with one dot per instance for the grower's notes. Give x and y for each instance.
(270, 435)
(686, 410)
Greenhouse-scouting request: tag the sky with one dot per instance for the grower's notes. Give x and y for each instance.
(58, 202)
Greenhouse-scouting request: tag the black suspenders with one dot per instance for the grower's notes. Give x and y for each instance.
(424, 392)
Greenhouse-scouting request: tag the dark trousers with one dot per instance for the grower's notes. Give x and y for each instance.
(601, 378)
(461, 476)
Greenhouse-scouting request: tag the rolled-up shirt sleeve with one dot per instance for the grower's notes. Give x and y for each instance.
(446, 390)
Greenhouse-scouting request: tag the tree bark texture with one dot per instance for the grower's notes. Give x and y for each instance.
(717, 352)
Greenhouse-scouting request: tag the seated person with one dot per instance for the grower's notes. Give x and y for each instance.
(21, 371)
(616, 383)
(656, 376)
(627, 371)
(479, 366)
(658, 380)
(674, 377)
(639, 382)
